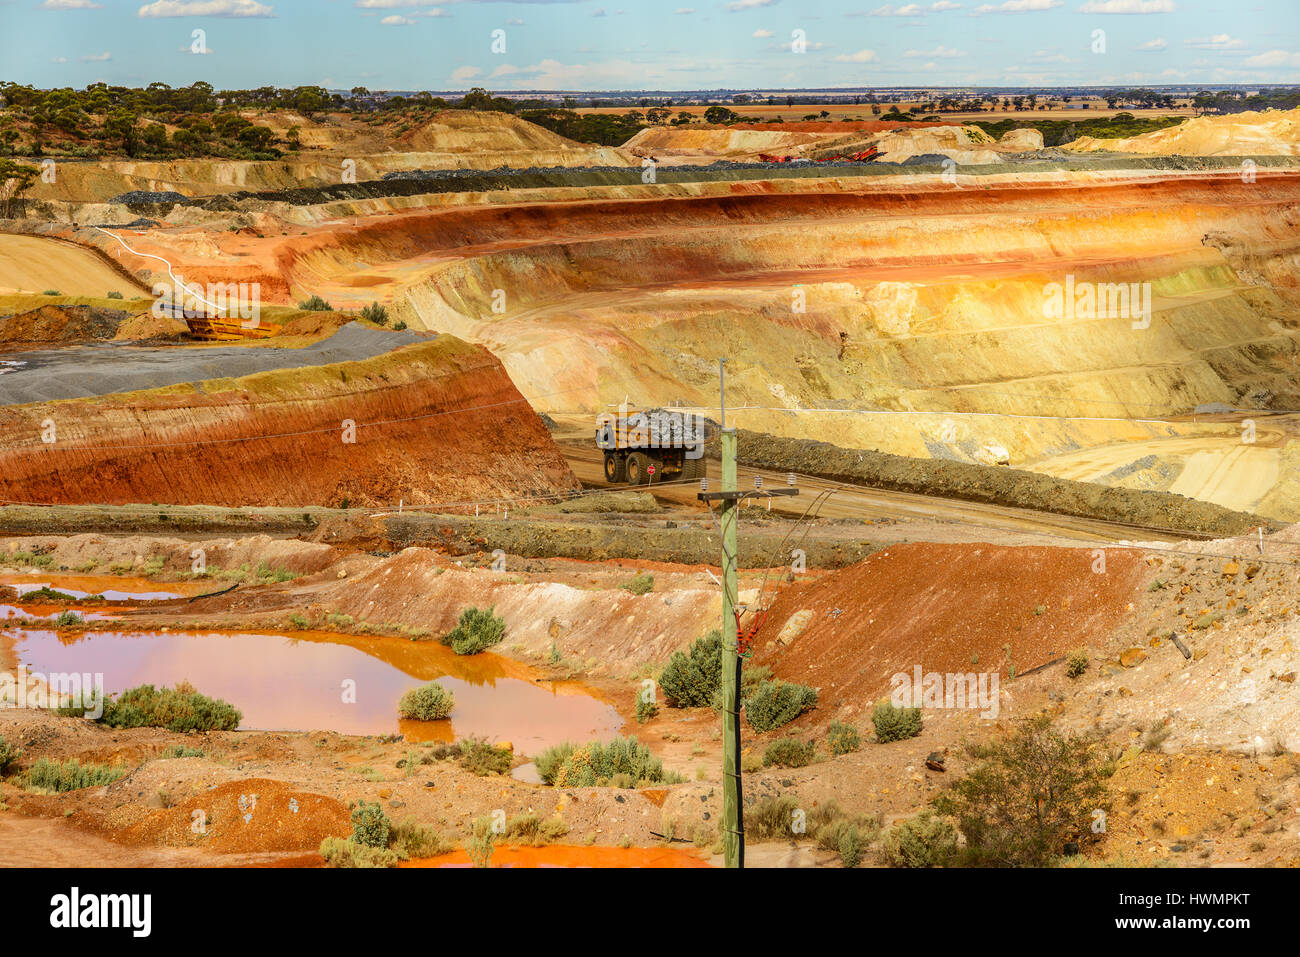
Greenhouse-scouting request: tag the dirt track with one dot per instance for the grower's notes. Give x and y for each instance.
(853, 498)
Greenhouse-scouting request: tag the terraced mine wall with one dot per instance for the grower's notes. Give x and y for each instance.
(144, 205)
(437, 421)
(994, 485)
(888, 325)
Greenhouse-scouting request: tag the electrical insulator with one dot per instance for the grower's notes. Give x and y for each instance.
(704, 485)
(789, 479)
(758, 481)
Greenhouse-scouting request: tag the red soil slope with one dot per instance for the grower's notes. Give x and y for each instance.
(434, 422)
(939, 606)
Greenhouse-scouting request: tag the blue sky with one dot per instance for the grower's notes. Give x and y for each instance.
(644, 44)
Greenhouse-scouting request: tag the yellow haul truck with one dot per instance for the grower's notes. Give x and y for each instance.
(654, 445)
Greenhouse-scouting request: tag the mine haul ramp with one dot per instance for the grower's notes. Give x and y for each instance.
(652, 445)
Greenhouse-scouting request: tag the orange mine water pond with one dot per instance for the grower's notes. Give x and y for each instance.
(112, 587)
(565, 855)
(306, 681)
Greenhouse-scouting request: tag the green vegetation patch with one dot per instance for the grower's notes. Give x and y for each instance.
(177, 709)
(477, 630)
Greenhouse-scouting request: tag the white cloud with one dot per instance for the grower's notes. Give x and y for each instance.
(394, 4)
(1152, 46)
(1220, 41)
(189, 48)
(205, 8)
(761, 34)
(737, 5)
(945, 5)
(1273, 58)
(97, 58)
(906, 10)
(1020, 6)
(59, 59)
(862, 56)
(396, 21)
(505, 69)
(684, 11)
(71, 5)
(554, 75)
(598, 12)
(465, 73)
(514, 22)
(940, 51)
(1128, 6)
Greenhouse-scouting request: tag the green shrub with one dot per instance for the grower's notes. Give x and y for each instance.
(554, 828)
(51, 292)
(181, 751)
(346, 853)
(690, 680)
(315, 304)
(46, 594)
(375, 313)
(399, 325)
(1033, 792)
(789, 753)
(481, 842)
(895, 724)
(80, 703)
(477, 629)
(828, 824)
(842, 738)
(771, 818)
(482, 758)
(114, 294)
(921, 841)
(645, 710)
(71, 775)
(177, 709)
(67, 619)
(597, 764)
(8, 755)
(409, 839)
(640, 585)
(370, 825)
(430, 702)
(851, 846)
(1076, 663)
(533, 830)
(776, 703)
(751, 679)
(549, 762)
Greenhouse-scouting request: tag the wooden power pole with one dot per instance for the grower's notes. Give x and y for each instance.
(729, 497)
(733, 824)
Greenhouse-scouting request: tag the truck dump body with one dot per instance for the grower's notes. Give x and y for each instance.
(652, 445)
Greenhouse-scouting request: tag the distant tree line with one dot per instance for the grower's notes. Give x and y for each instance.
(1232, 101)
(160, 122)
(1057, 132)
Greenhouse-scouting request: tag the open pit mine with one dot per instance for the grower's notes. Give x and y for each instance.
(1040, 407)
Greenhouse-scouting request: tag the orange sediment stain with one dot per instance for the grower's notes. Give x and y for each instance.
(566, 855)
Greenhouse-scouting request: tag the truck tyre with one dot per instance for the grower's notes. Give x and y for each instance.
(693, 468)
(615, 468)
(636, 474)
